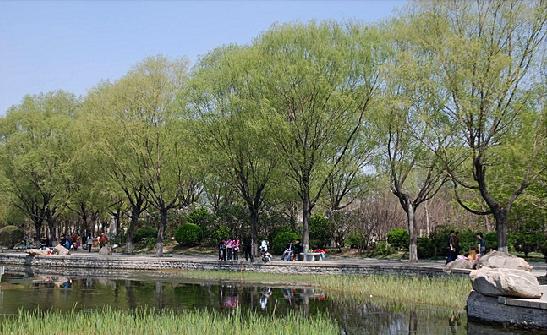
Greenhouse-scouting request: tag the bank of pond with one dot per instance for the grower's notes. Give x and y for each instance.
(216, 302)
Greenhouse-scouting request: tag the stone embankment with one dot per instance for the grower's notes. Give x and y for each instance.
(506, 291)
(150, 263)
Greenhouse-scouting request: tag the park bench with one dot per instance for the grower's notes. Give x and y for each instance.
(311, 256)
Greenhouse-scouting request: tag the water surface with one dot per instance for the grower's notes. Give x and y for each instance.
(29, 291)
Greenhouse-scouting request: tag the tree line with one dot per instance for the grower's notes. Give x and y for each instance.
(445, 96)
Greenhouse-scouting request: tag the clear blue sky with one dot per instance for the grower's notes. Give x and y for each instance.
(50, 45)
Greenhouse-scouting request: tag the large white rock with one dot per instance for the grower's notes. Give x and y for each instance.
(497, 259)
(61, 250)
(459, 264)
(106, 250)
(36, 252)
(505, 282)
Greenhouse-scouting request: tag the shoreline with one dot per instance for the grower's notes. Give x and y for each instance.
(116, 262)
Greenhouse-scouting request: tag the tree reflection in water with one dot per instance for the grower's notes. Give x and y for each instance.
(370, 316)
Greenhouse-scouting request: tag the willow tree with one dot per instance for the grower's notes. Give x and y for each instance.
(36, 148)
(227, 95)
(320, 81)
(489, 57)
(162, 144)
(110, 123)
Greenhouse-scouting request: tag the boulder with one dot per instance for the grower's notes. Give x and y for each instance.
(106, 250)
(37, 252)
(459, 264)
(60, 250)
(505, 282)
(497, 259)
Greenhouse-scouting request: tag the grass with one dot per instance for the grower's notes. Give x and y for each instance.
(204, 322)
(448, 292)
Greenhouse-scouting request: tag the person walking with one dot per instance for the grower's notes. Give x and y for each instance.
(451, 247)
(221, 251)
(229, 248)
(235, 247)
(89, 242)
(247, 249)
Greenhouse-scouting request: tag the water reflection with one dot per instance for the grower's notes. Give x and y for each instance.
(373, 316)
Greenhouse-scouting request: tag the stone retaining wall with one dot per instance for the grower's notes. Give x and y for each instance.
(117, 262)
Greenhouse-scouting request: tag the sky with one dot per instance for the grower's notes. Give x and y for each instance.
(70, 45)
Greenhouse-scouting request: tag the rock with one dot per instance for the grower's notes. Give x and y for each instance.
(61, 250)
(497, 259)
(459, 264)
(505, 282)
(106, 250)
(37, 252)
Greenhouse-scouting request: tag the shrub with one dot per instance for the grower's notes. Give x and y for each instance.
(10, 236)
(281, 240)
(188, 234)
(383, 248)
(145, 233)
(491, 241)
(398, 238)
(320, 231)
(426, 247)
(354, 240)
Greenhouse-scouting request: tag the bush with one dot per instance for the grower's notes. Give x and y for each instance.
(188, 234)
(383, 248)
(398, 238)
(426, 247)
(320, 231)
(526, 241)
(145, 233)
(10, 236)
(354, 240)
(281, 240)
(491, 241)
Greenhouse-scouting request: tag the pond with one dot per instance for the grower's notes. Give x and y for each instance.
(373, 316)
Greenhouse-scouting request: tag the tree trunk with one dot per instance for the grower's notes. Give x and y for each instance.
(305, 220)
(37, 232)
(52, 225)
(135, 214)
(411, 223)
(427, 223)
(254, 226)
(500, 214)
(161, 232)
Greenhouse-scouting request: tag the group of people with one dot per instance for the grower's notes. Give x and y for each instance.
(454, 248)
(293, 251)
(228, 250)
(74, 241)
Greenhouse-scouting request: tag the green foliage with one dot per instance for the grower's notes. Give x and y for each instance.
(10, 236)
(353, 240)
(383, 248)
(222, 232)
(320, 231)
(110, 321)
(188, 234)
(527, 239)
(145, 233)
(468, 240)
(282, 239)
(491, 241)
(398, 238)
(426, 247)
